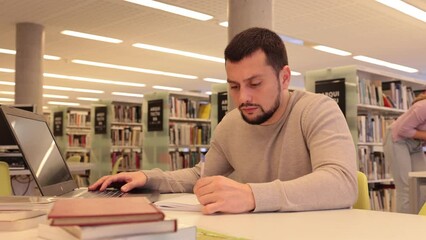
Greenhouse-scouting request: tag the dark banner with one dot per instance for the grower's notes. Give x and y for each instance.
(155, 115)
(101, 120)
(222, 105)
(335, 89)
(58, 123)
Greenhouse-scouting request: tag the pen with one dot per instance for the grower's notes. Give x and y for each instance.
(202, 162)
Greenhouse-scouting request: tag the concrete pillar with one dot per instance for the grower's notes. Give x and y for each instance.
(243, 14)
(29, 65)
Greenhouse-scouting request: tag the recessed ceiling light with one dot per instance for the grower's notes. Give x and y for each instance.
(291, 40)
(7, 92)
(91, 36)
(93, 80)
(13, 52)
(172, 9)
(127, 94)
(72, 89)
(405, 8)
(215, 80)
(133, 69)
(293, 73)
(178, 52)
(224, 24)
(7, 70)
(6, 100)
(88, 99)
(7, 83)
(332, 50)
(386, 64)
(167, 88)
(55, 96)
(63, 103)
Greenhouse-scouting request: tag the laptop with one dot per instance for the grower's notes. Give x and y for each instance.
(42, 156)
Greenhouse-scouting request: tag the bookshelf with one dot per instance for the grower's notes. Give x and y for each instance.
(178, 129)
(371, 100)
(117, 132)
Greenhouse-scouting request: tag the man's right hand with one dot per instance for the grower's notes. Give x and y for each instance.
(130, 179)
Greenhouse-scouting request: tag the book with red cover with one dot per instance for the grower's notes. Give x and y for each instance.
(100, 211)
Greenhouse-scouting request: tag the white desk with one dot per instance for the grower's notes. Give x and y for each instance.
(335, 224)
(416, 180)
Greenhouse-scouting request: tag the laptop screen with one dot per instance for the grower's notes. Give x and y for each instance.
(40, 151)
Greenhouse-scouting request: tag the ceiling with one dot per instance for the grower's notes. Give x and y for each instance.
(363, 27)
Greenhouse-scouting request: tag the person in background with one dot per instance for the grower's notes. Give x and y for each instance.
(279, 150)
(403, 149)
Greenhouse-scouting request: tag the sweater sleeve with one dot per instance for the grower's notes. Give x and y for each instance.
(409, 122)
(332, 183)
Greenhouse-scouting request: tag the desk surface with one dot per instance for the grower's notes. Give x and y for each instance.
(334, 224)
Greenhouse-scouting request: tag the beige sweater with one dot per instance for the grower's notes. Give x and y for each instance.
(305, 161)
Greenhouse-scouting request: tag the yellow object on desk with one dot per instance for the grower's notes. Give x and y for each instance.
(203, 234)
(5, 185)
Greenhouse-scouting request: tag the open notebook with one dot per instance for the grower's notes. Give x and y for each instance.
(185, 202)
(41, 153)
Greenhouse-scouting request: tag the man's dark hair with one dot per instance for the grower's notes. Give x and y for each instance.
(249, 41)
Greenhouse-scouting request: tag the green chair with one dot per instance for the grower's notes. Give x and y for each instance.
(116, 165)
(5, 184)
(363, 201)
(74, 158)
(423, 210)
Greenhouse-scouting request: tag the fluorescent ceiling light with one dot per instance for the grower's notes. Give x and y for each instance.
(133, 69)
(127, 94)
(386, 64)
(45, 107)
(179, 52)
(7, 70)
(291, 40)
(91, 36)
(55, 96)
(224, 24)
(88, 99)
(405, 8)
(72, 89)
(172, 9)
(6, 100)
(13, 52)
(7, 92)
(7, 83)
(167, 88)
(293, 73)
(332, 50)
(93, 80)
(208, 92)
(63, 103)
(215, 80)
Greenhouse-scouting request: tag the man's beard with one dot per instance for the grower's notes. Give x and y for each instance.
(265, 116)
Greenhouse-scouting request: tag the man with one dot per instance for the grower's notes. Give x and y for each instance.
(278, 151)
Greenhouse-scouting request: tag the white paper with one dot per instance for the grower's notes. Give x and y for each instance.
(187, 202)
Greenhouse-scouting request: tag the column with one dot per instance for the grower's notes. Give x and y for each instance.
(29, 65)
(243, 14)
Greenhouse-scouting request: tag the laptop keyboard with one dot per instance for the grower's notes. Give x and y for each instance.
(99, 194)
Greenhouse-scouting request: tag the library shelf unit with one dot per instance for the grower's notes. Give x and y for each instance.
(371, 100)
(117, 133)
(177, 129)
(72, 131)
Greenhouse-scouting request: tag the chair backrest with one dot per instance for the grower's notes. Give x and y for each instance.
(116, 165)
(363, 201)
(5, 184)
(423, 210)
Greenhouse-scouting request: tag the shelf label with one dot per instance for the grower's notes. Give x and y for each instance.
(222, 105)
(335, 89)
(155, 115)
(101, 120)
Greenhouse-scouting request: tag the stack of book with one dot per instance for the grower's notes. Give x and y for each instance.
(111, 218)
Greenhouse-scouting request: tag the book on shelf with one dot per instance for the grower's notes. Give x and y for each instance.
(182, 232)
(21, 220)
(98, 211)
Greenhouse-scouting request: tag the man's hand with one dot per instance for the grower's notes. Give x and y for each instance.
(131, 180)
(221, 194)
